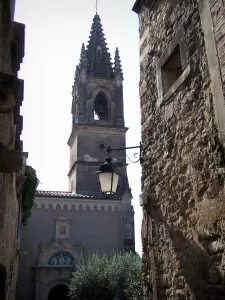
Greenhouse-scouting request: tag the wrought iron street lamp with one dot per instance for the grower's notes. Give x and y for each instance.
(108, 175)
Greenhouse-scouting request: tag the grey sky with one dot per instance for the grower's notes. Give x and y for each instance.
(55, 31)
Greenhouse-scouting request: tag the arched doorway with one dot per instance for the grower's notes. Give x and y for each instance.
(59, 292)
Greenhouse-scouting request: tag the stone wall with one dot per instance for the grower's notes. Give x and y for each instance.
(12, 159)
(182, 131)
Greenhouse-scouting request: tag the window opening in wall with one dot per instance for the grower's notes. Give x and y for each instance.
(62, 230)
(99, 51)
(2, 281)
(101, 108)
(171, 70)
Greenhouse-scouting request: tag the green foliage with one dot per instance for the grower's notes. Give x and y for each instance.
(28, 194)
(99, 276)
(125, 272)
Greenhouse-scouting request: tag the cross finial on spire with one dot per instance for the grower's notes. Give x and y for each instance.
(96, 6)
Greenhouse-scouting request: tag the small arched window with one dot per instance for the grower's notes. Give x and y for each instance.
(99, 51)
(61, 258)
(101, 107)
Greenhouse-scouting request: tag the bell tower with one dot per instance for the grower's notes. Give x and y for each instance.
(97, 114)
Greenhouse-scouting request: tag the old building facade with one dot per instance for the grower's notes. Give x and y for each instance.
(182, 88)
(65, 226)
(12, 159)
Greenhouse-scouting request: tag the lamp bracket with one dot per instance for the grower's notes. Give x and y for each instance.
(122, 151)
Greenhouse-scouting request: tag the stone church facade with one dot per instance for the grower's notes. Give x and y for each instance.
(182, 85)
(12, 158)
(65, 226)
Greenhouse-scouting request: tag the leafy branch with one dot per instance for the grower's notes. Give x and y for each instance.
(28, 194)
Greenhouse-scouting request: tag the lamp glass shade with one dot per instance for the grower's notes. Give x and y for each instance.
(108, 182)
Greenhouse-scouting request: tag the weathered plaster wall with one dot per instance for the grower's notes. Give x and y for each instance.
(97, 230)
(183, 172)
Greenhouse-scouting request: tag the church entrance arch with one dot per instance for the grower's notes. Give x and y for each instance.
(59, 292)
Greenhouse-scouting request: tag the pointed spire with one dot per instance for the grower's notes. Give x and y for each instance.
(98, 56)
(83, 58)
(117, 65)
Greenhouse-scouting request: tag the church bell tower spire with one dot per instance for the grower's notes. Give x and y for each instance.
(98, 121)
(97, 113)
(99, 59)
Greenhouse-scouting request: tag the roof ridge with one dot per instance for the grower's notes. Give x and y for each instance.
(61, 194)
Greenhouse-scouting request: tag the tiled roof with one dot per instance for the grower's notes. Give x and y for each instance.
(61, 194)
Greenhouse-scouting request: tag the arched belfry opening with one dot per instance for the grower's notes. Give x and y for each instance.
(101, 111)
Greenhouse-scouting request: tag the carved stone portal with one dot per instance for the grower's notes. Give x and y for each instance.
(54, 266)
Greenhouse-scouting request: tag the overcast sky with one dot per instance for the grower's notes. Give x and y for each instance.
(55, 30)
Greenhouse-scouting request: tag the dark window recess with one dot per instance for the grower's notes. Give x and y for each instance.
(98, 52)
(171, 70)
(101, 107)
(102, 146)
(2, 281)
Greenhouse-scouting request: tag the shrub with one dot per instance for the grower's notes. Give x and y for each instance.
(99, 276)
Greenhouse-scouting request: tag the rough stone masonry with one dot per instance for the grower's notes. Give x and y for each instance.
(12, 159)
(182, 85)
